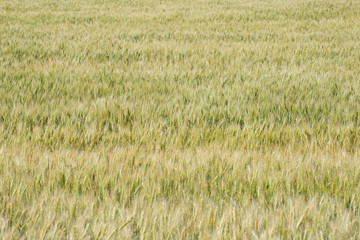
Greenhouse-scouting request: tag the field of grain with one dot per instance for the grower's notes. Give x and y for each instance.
(160, 119)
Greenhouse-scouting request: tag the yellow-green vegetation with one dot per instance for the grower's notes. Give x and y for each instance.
(156, 119)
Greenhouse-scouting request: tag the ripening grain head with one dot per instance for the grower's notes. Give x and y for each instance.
(179, 119)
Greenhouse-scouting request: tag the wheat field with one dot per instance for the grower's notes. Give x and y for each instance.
(164, 119)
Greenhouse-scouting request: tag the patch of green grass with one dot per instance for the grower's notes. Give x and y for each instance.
(179, 119)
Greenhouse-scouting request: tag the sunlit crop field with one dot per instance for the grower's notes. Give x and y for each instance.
(156, 119)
